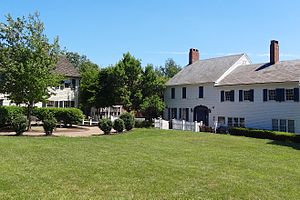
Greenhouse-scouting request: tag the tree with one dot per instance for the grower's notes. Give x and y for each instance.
(27, 61)
(76, 59)
(152, 107)
(88, 85)
(170, 69)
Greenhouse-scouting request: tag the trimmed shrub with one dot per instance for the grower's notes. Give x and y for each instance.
(105, 125)
(49, 123)
(19, 124)
(7, 113)
(68, 116)
(119, 125)
(128, 119)
(143, 124)
(264, 134)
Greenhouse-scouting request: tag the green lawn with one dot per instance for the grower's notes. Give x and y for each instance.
(148, 164)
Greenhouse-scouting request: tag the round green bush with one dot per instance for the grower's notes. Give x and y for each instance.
(105, 125)
(49, 124)
(119, 125)
(19, 124)
(128, 119)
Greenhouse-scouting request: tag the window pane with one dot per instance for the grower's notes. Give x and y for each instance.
(272, 95)
(229, 121)
(275, 125)
(236, 122)
(291, 126)
(184, 92)
(242, 122)
(247, 95)
(289, 93)
(283, 125)
(227, 96)
(221, 120)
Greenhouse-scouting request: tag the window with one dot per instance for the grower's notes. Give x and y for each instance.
(289, 94)
(50, 104)
(44, 104)
(173, 113)
(242, 122)
(272, 94)
(73, 84)
(275, 125)
(72, 104)
(221, 120)
(184, 114)
(291, 126)
(201, 92)
(61, 104)
(172, 93)
(282, 125)
(227, 96)
(1, 102)
(184, 92)
(236, 122)
(56, 104)
(229, 123)
(247, 95)
(67, 83)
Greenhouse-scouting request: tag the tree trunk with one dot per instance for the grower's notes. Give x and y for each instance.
(29, 113)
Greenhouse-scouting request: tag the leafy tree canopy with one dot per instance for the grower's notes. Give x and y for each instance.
(170, 69)
(27, 60)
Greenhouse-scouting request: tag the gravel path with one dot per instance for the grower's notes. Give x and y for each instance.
(75, 131)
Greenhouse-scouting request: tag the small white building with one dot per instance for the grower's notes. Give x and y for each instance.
(66, 95)
(233, 92)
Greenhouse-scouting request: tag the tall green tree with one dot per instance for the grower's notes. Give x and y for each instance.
(170, 69)
(88, 85)
(76, 59)
(27, 61)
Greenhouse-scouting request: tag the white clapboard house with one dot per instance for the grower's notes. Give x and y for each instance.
(232, 91)
(66, 95)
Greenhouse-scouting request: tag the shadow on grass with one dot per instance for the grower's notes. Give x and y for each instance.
(286, 143)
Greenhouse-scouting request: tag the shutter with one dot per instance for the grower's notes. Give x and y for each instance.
(252, 95)
(240, 95)
(280, 94)
(222, 96)
(296, 94)
(200, 92)
(232, 95)
(265, 97)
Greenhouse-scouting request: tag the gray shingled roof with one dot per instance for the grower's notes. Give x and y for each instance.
(204, 71)
(284, 71)
(65, 68)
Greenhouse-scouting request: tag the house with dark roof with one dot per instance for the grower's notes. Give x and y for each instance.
(66, 95)
(232, 91)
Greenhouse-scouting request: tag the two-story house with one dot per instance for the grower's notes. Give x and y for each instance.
(66, 95)
(232, 91)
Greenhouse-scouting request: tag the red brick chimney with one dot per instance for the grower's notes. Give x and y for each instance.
(193, 56)
(274, 52)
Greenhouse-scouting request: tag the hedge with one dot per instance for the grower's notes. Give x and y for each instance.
(143, 124)
(68, 116)
(7, 113)
(264, 134)
(128, 119)
(105, 125)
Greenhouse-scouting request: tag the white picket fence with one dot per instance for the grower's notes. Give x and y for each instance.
(185, 126)
(177, 125)
(161, 124)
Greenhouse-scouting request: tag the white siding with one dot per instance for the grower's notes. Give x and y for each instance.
(257, 114)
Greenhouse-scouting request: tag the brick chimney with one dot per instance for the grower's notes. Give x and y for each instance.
(193, 56)
(274, 52)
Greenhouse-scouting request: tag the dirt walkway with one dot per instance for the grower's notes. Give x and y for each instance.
(76, 131)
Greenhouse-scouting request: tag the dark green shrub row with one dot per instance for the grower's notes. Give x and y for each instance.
(7, 113)
(128, 119)
(264, 134)
(143, 124)
(67, 116)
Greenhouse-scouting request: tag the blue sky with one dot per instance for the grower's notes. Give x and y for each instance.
(159, 29)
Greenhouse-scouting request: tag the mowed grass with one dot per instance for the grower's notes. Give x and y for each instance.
(149, 164)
